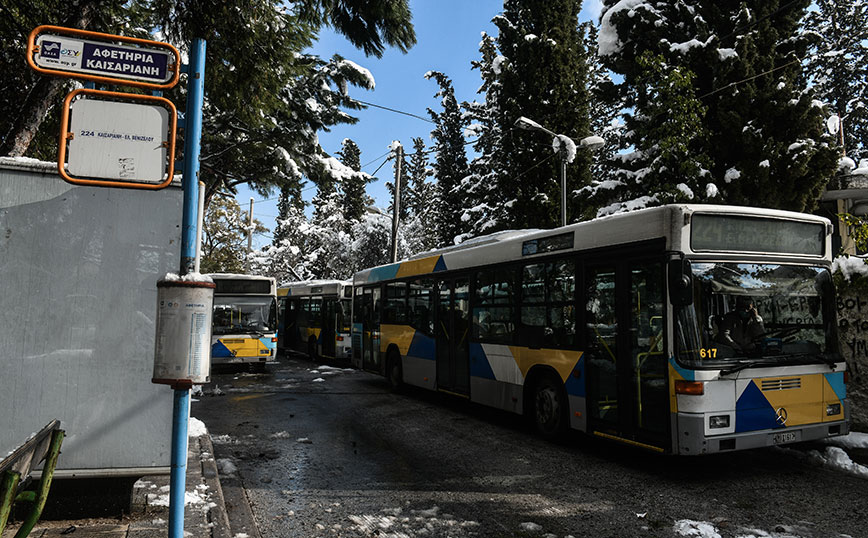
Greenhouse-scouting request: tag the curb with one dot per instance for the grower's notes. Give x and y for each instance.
(217, 515)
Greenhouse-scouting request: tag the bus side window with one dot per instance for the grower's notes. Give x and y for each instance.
(493, 305)
(419, 305)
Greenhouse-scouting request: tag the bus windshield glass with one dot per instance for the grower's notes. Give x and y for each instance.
(233, 314)
(749, 314)
(343, 315)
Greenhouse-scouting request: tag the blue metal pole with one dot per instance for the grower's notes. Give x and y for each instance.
(193, 136)
(181, 408)
(178, 479)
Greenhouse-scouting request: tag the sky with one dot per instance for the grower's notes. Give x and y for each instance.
(448, 33)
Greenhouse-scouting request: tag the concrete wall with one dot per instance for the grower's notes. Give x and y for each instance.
(853, 332)
(78, 273)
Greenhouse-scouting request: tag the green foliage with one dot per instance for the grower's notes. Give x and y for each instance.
(355, 201)
(224, 236)
(265, 99)
(765, 138)
(450, 161)
(858, 229)
(837, 66)
(543, 76)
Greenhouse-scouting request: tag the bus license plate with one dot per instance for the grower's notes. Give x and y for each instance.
(784, 437)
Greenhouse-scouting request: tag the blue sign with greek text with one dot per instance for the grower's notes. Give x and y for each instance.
(131, 62)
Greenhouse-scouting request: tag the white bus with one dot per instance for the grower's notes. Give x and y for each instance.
(245, 320)
(685, 329)
(315, 318)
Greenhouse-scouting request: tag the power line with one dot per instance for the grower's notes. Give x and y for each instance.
(375, 160)
(731, 84)
(394, 110)
(536, 164)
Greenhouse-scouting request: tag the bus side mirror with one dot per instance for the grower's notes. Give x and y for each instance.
(680, 282)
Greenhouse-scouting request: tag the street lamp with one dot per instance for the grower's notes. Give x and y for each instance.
(565, 146)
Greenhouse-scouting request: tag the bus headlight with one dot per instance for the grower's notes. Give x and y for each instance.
(833, 409)
(718, 421)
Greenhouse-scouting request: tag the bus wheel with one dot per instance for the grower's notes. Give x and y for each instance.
(395, 372)
(549, 408)
(311, 349)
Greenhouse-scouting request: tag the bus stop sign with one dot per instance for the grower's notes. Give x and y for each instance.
(103, 57)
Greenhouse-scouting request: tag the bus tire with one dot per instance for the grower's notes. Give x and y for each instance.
(549, 407)
(394, 371)
(311, 349)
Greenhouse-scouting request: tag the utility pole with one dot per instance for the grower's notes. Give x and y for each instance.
(396, 202)
(249, 235)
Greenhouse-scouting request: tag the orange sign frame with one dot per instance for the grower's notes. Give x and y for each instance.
(32, 49)
(66, 135)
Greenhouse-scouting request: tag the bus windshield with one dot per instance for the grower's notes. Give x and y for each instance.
(343, 315)
(234, 314)
(751, 314)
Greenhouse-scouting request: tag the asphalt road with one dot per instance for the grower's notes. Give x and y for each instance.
(330, 451)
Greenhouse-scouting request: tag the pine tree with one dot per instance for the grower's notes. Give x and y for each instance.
(666, 164)
(420, 229)
(605, 118)
(450, 161)
(766, 144)
(355, 199)
(838, 66)
(543, 76)
(486, 207)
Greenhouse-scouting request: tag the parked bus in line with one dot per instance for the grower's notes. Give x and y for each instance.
(315, 318)
(244, 328)
(625, 327)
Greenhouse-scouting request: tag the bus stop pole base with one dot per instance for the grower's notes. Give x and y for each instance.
(178, 478)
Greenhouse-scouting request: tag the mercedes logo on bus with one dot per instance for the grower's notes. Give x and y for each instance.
(782, 416)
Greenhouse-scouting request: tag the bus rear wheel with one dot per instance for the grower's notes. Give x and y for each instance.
(549, 408)
(311, 349)
(395, 372)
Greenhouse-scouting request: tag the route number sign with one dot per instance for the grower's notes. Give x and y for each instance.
(117, 139)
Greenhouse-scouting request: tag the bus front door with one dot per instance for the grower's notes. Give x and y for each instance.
(627, 390)
(371, 330)
(452, 333)
(327, 334)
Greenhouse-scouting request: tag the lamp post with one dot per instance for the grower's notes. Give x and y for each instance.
(561, 144)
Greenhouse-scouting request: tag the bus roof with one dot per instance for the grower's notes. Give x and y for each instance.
(234, 276)
(670, 223)
(312, 287)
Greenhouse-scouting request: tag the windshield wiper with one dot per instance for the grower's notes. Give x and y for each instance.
(740, 365)
(828, 361)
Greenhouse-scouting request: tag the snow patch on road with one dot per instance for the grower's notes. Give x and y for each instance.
(836, 458)
(688, 527)
(226, 466)
(391, 524)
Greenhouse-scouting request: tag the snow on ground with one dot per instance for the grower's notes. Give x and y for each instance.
(318, 380)
(688, 527)
(854, 440)
(394, 523)
(199, 496)
(226, 466)
(836, 458)
(196, 428)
